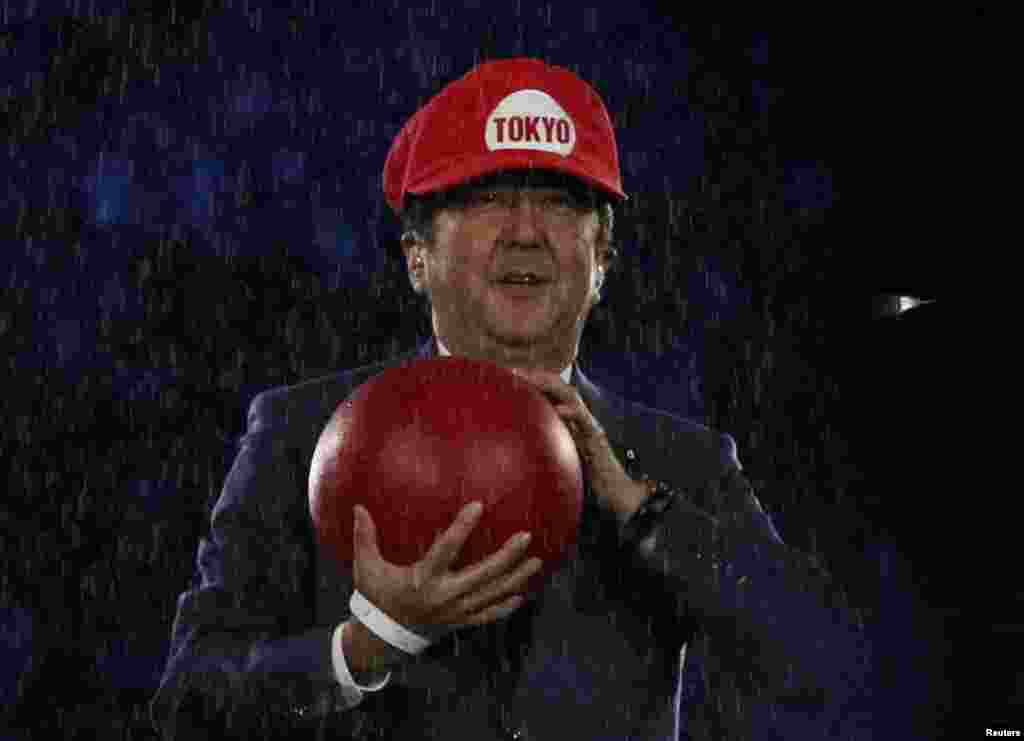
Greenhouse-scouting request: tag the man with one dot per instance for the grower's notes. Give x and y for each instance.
(682, 612)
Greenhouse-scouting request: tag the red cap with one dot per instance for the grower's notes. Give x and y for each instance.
(509, 114)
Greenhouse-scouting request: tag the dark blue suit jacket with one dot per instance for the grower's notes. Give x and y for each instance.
(710, 628)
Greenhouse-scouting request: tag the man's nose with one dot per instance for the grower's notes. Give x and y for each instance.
(524, 220)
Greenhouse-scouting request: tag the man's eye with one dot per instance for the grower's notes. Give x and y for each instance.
(483, 197)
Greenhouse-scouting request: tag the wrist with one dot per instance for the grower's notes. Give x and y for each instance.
(657, 497)
(368, 657)
(637, 493)
(626, 497)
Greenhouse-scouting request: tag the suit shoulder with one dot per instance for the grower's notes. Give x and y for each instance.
(663, 420)
(666, 436)
(311, 401)
(312, 388)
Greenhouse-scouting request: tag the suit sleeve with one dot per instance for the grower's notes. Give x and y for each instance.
(245, 655)
(780, 652)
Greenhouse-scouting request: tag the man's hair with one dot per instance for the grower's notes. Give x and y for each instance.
(419, 212)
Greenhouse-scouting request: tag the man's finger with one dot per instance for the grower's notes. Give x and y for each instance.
(445, 549)
(498, 563)
(364, 535)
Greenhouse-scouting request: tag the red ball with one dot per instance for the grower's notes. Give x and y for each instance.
(417, 442)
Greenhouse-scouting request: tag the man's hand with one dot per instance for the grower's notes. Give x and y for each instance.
(613, 488)
(428, 597)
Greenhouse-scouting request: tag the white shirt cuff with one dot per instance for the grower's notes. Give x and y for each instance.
(352, 692)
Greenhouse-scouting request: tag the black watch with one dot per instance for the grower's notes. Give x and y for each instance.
(660, 497)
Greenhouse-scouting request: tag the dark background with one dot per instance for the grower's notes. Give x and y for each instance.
(190, 213)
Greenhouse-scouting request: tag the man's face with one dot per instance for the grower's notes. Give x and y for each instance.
(491, 230)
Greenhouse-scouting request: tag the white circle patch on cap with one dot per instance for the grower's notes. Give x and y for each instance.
(530, 119)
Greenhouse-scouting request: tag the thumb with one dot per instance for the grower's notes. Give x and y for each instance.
(364, 535)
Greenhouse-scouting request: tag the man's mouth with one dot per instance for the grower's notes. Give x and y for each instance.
(522, 279)
(522, 287)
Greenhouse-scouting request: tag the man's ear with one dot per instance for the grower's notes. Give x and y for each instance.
(597, 280)
(410, 239)
(415, 259)
(603, 262)
(411, 243)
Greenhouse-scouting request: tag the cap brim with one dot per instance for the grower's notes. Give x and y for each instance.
(456, 172)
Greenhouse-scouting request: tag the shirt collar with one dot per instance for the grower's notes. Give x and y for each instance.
(566, 373)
